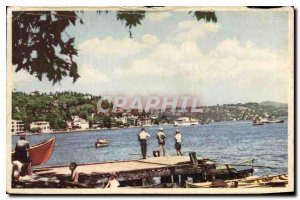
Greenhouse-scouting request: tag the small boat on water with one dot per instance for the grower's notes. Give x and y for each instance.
(185, 121)
(274, 121)
(257, 123)
(263, 121)
(97, 145)
(249, 182)
(41, 152)
(101, 143)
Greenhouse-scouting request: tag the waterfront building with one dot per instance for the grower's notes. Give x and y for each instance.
(144, 122)
(78, 123)
(43, 126)
(132, 120)
(122, 119)
(17, 126)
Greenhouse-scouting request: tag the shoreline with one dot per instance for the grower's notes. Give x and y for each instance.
(83, 130)
(113, 128)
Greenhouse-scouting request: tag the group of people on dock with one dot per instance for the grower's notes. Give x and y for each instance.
(143, 136)
(21, 161)
(112, 181)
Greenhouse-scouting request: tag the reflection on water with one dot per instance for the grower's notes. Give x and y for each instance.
(228, 142)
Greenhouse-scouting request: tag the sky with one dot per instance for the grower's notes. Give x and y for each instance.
(241, 58)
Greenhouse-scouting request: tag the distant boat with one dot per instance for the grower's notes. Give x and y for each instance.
(102, 143)
(257, 123)
(280, 180)
(267, 121)
(97, 145)
(274, 121)
(41, 153)
(185, 121)
(194, 122)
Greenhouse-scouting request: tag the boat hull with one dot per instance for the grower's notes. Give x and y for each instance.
(41, 153)
(274, 122)
(176, 123)
(279, 180)
(101, 145)
(182, 124)
(258, 124)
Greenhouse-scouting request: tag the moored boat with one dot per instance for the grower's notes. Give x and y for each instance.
(274, 121)
(41, 153)
(279, 180)
(185, 121)
(97, 145)
(194, 122)
(266, 121)
(101, 143)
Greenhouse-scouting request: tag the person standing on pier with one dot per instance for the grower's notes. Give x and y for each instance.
(143, 136)
(161, 136)
(178, 143)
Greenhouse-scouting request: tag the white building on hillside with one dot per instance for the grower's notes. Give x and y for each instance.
(121, 119)
(44, 126)
(78, 123)
(17, 126)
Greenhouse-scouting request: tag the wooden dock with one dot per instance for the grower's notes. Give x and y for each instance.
(116, 167)
(170, 169)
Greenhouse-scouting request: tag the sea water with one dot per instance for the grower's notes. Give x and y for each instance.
(225, 142)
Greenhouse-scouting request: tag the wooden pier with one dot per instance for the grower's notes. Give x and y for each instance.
(170, 169)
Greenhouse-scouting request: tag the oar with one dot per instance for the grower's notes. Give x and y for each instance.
(246, 161)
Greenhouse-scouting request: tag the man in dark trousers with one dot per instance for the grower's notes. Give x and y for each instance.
(22, 155)
(161, 136)
(143, 136)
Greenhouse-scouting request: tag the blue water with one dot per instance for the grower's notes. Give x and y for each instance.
(228, 142)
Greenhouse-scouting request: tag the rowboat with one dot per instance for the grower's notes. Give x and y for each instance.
(249, 182)
(274, 121)
(102, 143)
(41, 152)
(97, 145)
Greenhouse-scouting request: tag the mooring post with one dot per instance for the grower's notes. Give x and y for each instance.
(183, 178)
(176, 179)
(195, 178)
(193, 158)
(166, 179)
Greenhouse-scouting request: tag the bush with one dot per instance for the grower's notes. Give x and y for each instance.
(35, 130)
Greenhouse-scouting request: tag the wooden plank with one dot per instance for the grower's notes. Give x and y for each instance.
(115, 167)
(93, 174)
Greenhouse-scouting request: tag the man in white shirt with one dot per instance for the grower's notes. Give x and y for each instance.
(178, 143)
(74, 172)
(143, 136)
(113, 182)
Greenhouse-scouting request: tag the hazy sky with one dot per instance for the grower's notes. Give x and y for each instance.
(241, 58)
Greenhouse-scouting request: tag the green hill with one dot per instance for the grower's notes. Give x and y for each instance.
(273, 103)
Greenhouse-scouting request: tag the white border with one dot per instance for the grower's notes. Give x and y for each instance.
(97, 3)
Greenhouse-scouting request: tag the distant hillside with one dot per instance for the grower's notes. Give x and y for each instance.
(273, 103)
